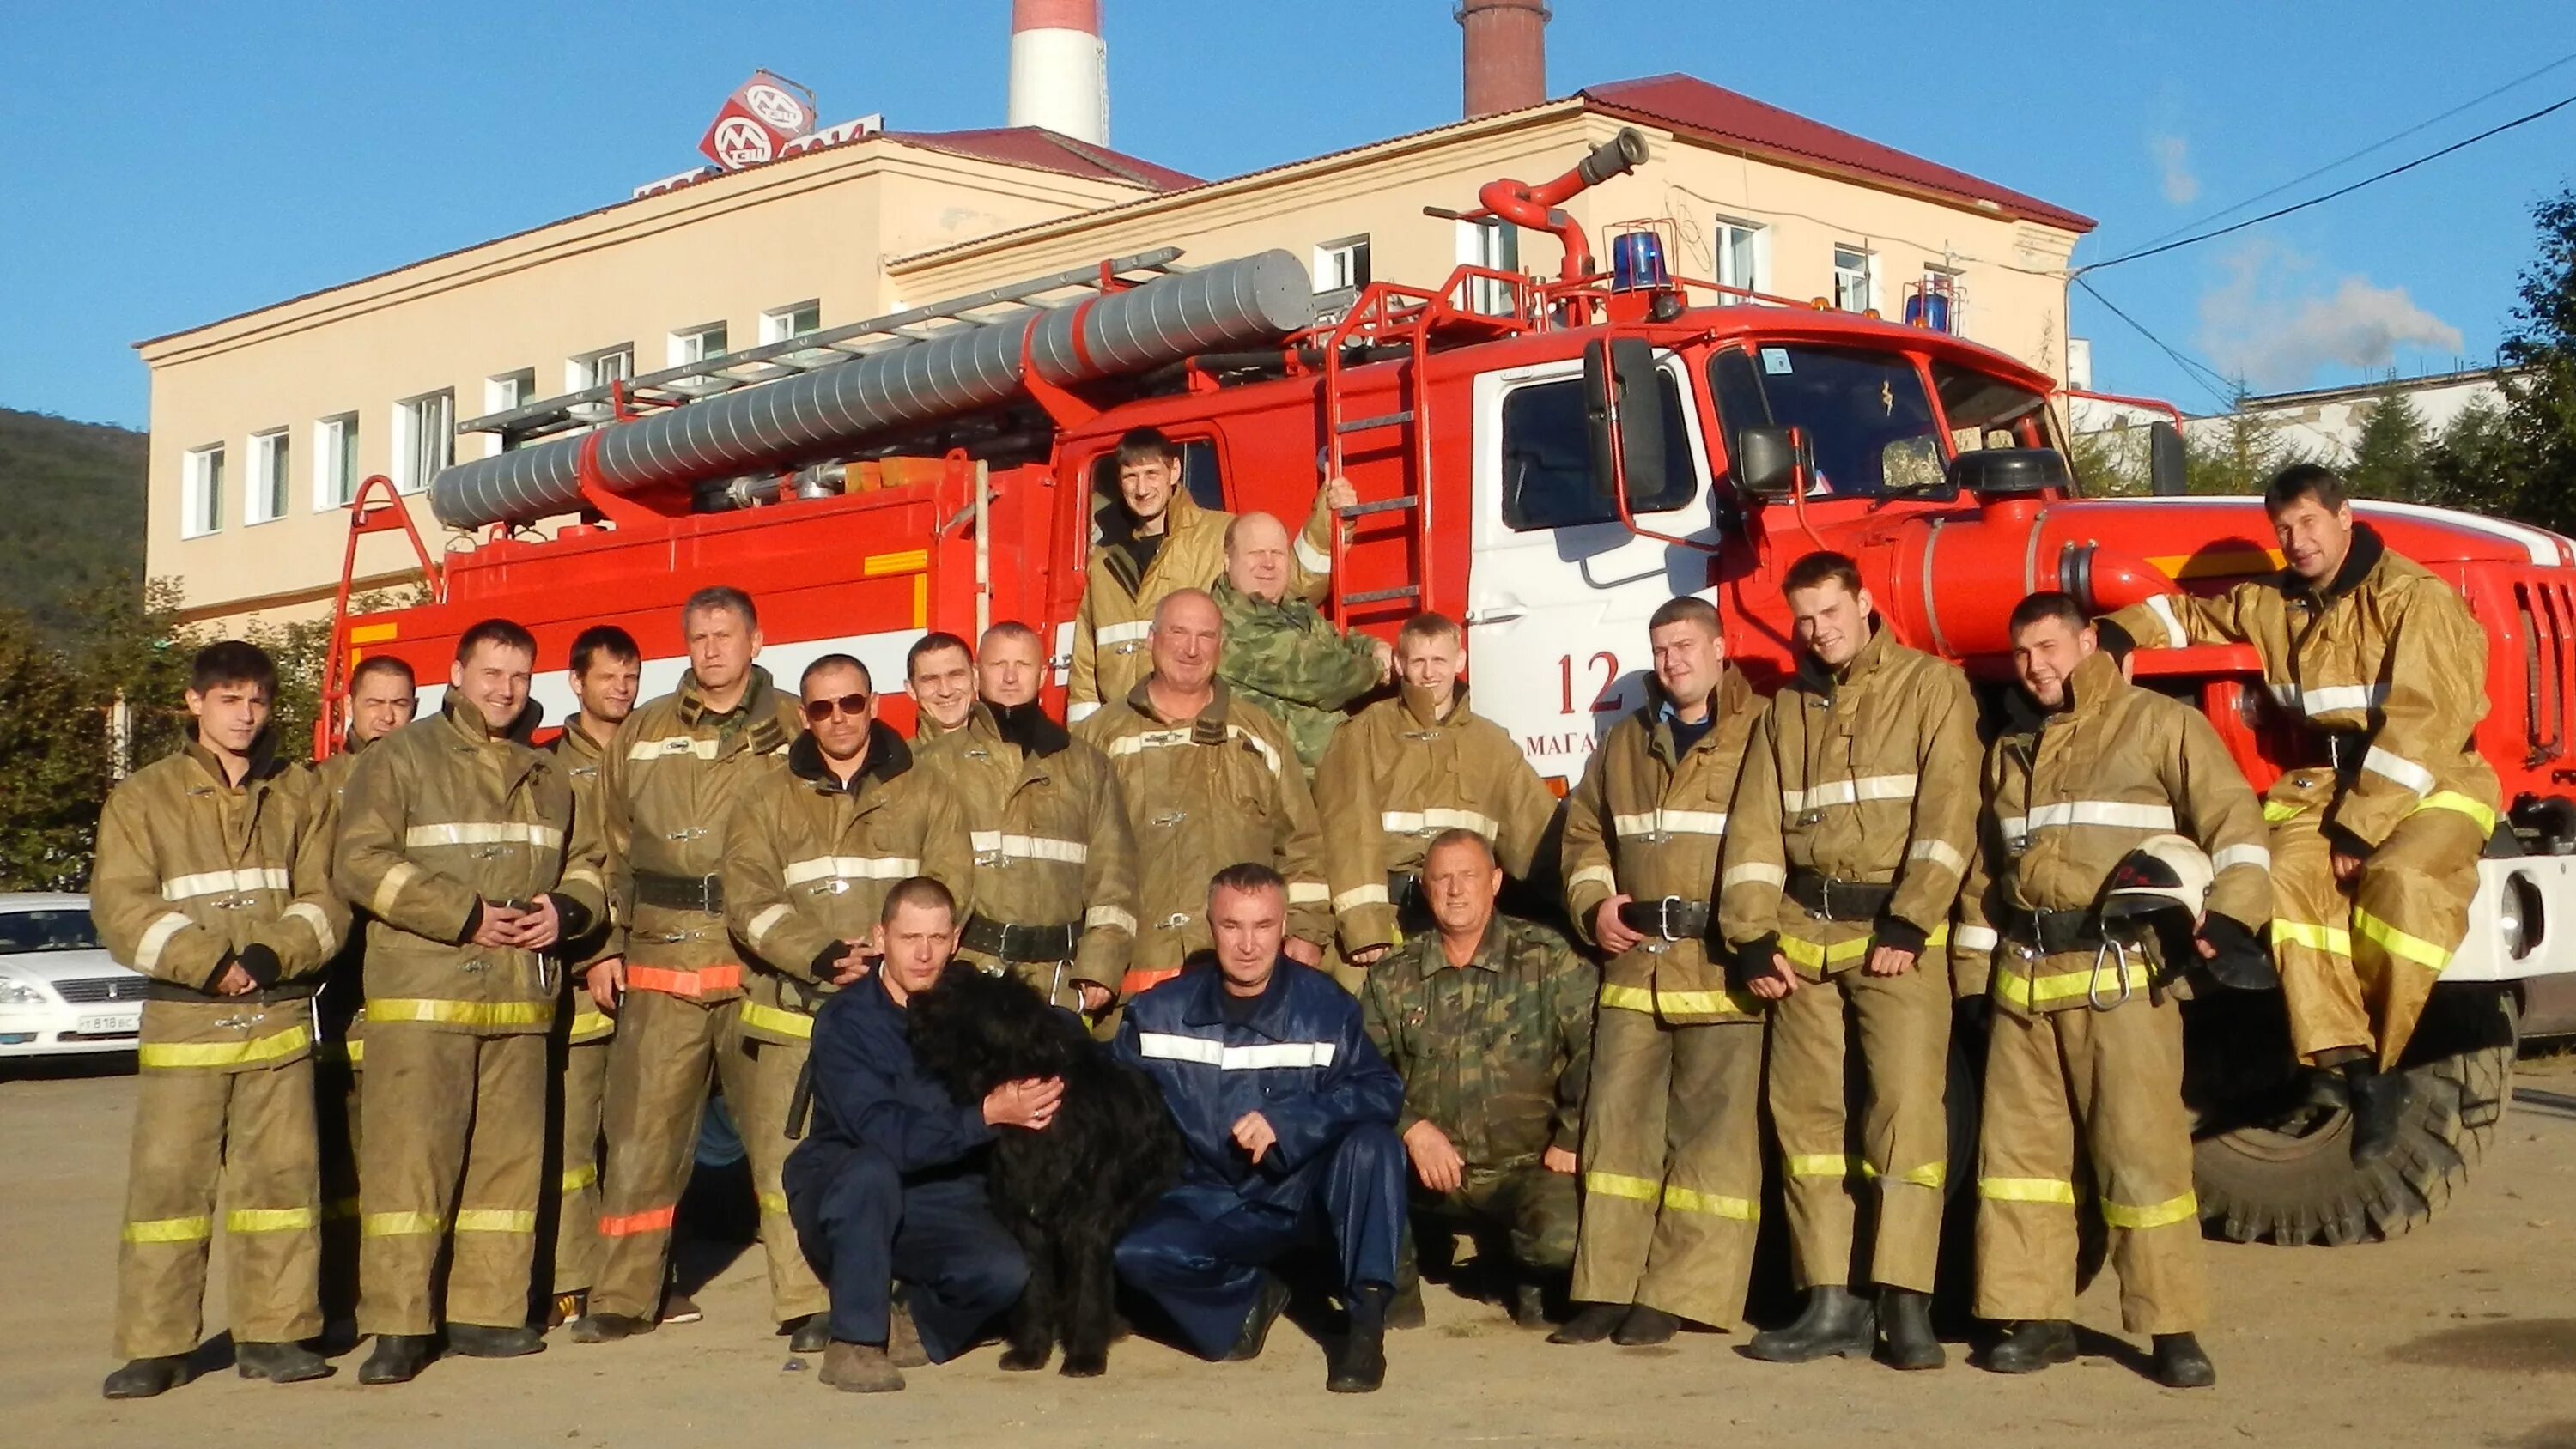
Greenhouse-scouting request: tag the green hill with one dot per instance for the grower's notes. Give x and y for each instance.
(71, 511)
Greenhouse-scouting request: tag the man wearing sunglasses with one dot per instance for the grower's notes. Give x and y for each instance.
(809, 857)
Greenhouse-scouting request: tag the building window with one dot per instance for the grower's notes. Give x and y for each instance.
(1855, 279)
(201, 492)
(266, 500)
(1743, 248)
(699, 344)
(784, 323)
(335, 461)
(1343, 263)
(424, 439)
(598, 369)
(1494, 245)
(1938, 303)
(503, 392)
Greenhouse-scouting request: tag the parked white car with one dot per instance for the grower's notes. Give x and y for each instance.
(59, 992)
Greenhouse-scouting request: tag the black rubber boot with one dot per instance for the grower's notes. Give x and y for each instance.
(2379, 1102)
(1905, 1317)
(608, 1327)
(1266, 1308)
(144, 1378)
(2182, 1364)
(280, 1363)
(1591, 1323)
(398, 1358)
(476, 1340)
(1359, 1360)
(1834, 1324)
(2031, 1345)
(809, 1334)
(1405, 1309)
(1645, 1327)
(1529, 1303)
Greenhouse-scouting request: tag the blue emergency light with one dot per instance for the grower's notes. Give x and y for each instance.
(1637, 262)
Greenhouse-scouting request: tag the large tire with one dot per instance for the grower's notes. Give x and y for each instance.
(2268, 1182)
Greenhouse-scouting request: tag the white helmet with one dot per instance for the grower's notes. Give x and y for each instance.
(2166, 872)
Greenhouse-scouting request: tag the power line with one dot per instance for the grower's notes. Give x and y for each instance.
(2329, 196)
(2208, 378)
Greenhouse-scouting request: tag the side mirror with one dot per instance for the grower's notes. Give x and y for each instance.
(2168, 467)
(1623, 412)
(1772, 462)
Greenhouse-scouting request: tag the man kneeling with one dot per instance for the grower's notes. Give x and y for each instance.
(1289, 1116)
(890, 1185)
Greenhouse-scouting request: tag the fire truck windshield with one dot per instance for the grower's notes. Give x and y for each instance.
(1866, 414)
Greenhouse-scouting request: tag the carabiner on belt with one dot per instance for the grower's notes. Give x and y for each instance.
(2118, 953)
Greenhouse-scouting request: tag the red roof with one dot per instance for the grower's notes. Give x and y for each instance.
(1693, 107)
(1043, 150)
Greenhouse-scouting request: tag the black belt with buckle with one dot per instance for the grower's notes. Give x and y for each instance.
(680, 892)
(1025, 944)
(1671, 918)
(2058, 932)
(2338, 750)
(1828, 899)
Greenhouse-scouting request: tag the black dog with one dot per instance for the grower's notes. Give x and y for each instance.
(1066, 1193)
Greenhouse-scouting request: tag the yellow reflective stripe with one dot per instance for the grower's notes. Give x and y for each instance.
(1614, 1185)
(2020, 989)
(460, 1013)
(400, 1225)
(2274, 812)
(271, 1220)
(2157, 1215)
(770, 1018)
(1680, 1003)
(588, 1020)
(772, 1202)
(2027, 1189)
(2398, 943)
(1934, 1175)
(2475, 809)
(1816, 956)
(495, 1220)
(161, 1055)
(2333, 940)
(1820, 1164)
(1692, 1200)
(169, 1230)
(575, 1179)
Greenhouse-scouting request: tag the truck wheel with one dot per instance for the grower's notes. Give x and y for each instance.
(2293, 1181)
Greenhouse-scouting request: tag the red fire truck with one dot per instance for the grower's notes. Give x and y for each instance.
(1546, 460)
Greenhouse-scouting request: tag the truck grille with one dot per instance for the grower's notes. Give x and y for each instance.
(91, 990)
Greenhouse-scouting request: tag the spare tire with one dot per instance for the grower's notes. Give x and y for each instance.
(2291, 1179)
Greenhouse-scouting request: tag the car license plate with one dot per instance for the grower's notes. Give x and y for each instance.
(111, 1023)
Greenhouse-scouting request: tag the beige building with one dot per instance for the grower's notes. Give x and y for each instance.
(263, 423)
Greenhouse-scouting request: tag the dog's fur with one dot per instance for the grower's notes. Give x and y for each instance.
(1066, 1193)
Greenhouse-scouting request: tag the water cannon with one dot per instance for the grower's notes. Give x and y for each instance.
(1537, 207)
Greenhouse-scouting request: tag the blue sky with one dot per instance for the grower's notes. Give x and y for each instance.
(177, 162)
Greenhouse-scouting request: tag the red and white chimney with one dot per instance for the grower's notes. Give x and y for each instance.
(1506, 45)
(1060, 68)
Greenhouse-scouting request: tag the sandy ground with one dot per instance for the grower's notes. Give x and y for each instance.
(2462, 1334)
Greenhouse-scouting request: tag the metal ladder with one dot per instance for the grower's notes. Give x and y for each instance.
(1376, 312)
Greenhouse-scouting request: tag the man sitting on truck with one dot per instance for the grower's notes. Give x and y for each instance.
(1282, 654)
(2375, 841)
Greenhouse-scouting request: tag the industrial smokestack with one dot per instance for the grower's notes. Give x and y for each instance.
(1059, 68)
(1506, 54)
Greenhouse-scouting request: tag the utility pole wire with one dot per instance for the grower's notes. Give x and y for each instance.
(2225, 390)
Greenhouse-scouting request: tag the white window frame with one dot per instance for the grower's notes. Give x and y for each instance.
(582, 369)
(335, 445)
(503, 391)
(1496, 246)
(1869, 278)
(689, 344)
(1722, 255)
(266, 491)
(1342, 262)
(778, 324)
(201, 491)
(424, 438)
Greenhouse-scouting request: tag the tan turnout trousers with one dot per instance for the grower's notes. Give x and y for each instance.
(456, 1137)
(666, 1050)
(2115, 1077)
(252, 1132)
(761, 1117)
(584, 1077)
(1672, 1166)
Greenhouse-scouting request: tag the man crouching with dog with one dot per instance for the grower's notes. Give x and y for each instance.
(1288, 1116)
(889, 1184)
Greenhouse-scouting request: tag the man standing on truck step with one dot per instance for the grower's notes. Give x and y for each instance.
(1279, 652)
(383, 696)
(810, 854)
(1849, 840)
(1208, 781)
(2376, 839)
(606, 668)
(1154, 538)
(2086, 1046)
(1672, 1152)
(1407, 769)
(1055, 861)
(940, 672)
(213, 880)
(459, 839)
(669, 784)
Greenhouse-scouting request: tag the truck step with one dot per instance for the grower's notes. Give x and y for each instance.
(1389, 505)
(1362, 425)
(1380, 596)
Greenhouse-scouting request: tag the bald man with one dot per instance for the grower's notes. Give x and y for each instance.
(1279, 652)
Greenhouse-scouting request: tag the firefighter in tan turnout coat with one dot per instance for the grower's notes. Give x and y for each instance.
(213, 880)
(459, 840)
(1671, 1159)
(1844, 856)
(809, 856)
(2375, 842)
(2085, 1056)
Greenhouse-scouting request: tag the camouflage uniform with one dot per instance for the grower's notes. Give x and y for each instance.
(1496, 1054)
(1285, 658)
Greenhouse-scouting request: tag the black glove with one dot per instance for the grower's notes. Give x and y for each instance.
(1752, 961)
(572, 918)
(827, 962)
(2241, 963)
(1900, 933)
(259, 962)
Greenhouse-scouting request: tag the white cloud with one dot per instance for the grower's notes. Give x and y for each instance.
(2173, 169)
(2269, 324)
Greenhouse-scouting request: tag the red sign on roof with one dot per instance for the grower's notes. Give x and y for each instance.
(758, 121)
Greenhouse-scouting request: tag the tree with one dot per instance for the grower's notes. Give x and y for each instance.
(2471, 466)
(2388, 459)
(2236, 453)
(54, 738)
(2539, 353)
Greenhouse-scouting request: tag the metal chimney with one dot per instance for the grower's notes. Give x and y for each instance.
(1060, 68)
(1506, 54)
